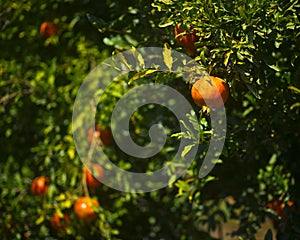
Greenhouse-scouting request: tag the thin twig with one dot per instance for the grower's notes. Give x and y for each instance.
(7, 98)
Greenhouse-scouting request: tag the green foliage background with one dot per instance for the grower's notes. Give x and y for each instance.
(253, 45)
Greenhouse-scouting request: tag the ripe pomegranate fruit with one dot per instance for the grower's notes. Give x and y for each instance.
(48, 29)
(277, 207)
(210, 91)
(104, 135)
(186, 39)
(83, 208)
(58, 223)
(92, 175)
(39, 185)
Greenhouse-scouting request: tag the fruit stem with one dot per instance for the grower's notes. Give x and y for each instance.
(205, 110)
(89, 158)
(85, 188)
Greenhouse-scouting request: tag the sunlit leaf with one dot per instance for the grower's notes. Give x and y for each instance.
(227, 56)
(71, 153)
(186, 150)
(40, 220)
(167, 54)
(162, 25)
(139, 57)
(297, 90)
(274, 67)
(295, 105)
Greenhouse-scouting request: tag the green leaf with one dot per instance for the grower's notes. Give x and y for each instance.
(99, 23)
(167, 54)
(167, 2)
(66, 204)
(123, 59)
(227, 56)
(210, 178)
(60, 197)
(139, 57)
(71, 153)
(141, 74)
(242, 12)
(178, 135)
(159, 8)
(290, 25)
(74, 21)
(276, 68)
(172, 180)
(297, 90)
(253, 91)
(186, 127)
(273, 159)
(295, 105)
(40, 220)
(51, 80)
(182, 185)
(186, 150)
(166, 24)
(131, 40)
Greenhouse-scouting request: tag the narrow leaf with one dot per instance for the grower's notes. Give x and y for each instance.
(295, 105)
(297, 90)
(39, 220)
(186, 150)
(141, 75)
(273, 159)
(162, 25)
(123, 59)
(167, 54)
(99, 23)
(226, 57)
(276, 68)
(139, 57)
(253, 91)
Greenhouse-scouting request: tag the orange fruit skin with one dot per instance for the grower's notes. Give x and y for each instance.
(48, 29)
(58, 223)
(187, 40)
(212, 92)
(93, 176)
(83, 208)
(39, 185)
(277, 207)
(191, 51)
(104, 135)
(26, 235)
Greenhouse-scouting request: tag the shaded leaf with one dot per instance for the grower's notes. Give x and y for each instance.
(99, 23)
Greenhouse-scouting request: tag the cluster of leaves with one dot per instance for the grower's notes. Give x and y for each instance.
(40, 78)
(254, 46)
(39, 81)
